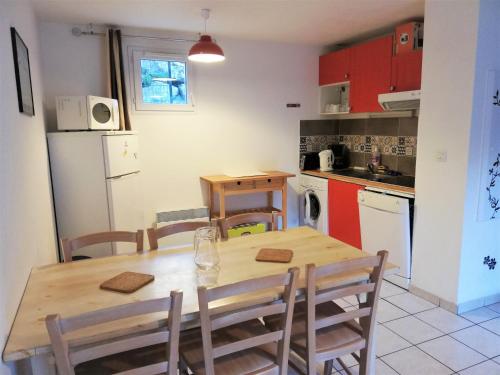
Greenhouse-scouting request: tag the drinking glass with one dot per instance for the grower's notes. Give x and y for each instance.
(206, 243)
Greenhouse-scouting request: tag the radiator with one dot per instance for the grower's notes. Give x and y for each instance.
(178, 216)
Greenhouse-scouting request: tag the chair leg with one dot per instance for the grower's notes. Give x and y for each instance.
(366, 363)
(183, 370)
(328, 367)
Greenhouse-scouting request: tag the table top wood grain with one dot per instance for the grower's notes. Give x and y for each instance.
(73, 288)
(219, 179)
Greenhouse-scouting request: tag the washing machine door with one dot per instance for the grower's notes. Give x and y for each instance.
(312, 208)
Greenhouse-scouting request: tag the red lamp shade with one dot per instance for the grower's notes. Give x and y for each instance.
(206, 51)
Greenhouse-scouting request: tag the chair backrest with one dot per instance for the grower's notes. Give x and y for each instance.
(246, 218)
(74, 244)
(67, 357)
(154, 234)
(212, 319)
(317, 294)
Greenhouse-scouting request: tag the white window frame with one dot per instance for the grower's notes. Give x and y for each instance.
(136, 82)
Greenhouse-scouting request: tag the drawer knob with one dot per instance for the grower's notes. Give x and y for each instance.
(239, 182)
(269, 180)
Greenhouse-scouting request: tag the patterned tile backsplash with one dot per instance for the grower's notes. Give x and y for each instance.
(396, 139)
(387, 145)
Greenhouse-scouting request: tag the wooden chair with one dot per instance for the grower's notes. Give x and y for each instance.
(68, 357)
(154, 234)
(246, 218)
(69, 246)
(233, 340)
(322, 331)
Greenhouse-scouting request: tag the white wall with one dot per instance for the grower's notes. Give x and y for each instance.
(26, 224)
(480, 238)
(450, 244)
(444, 125)
(241, 119)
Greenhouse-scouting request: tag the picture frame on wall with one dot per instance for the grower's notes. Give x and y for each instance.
(23, 74)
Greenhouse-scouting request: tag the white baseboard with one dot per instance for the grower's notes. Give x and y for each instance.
(453, 307)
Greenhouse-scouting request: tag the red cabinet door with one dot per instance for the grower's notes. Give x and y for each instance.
(371, 74)
(334, 67)
(343, 212)
(406, 71)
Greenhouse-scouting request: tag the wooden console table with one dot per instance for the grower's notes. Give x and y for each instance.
(270, 182)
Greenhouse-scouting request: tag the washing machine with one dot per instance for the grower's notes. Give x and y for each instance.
(313, 205)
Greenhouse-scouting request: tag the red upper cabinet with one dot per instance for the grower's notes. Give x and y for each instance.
(343, 212)
(335, 67)
(406, 71)
(371, 74)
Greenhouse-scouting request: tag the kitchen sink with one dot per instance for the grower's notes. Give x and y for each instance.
(377, 177)
(353, 173)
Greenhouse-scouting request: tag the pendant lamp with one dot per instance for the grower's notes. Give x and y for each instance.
(206, 50)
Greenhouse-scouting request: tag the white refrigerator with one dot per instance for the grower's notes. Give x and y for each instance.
(96, 186)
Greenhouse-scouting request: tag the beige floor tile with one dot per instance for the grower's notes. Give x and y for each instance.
(452, 353)
(387, 311)
(388, 290)
(495, 307)
(342, 303)
(413, 361)
(485, 368)
(413, 330)
(443, 320)
(380, 369)
(387, 342)
(410, 303)
(480, 315)
(480, 339)
(492, 325)
(352, 300)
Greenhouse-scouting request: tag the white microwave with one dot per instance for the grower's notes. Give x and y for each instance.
(87, 113)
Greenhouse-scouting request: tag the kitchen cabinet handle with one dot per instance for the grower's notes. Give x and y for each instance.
(346, 75)
(392, 88)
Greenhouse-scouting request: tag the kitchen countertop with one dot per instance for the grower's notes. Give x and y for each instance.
(340, 176)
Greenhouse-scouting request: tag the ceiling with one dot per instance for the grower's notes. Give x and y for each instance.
(319, 22)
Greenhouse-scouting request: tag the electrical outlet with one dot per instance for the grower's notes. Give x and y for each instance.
(441, 155)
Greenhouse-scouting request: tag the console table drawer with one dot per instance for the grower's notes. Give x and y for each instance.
(240, 185)
(269, 183)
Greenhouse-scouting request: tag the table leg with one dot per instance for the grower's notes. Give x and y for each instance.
(270, 199)
(222, 203)
(210, 201)
(283, 204)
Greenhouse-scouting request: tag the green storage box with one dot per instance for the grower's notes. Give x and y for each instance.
(246, 229)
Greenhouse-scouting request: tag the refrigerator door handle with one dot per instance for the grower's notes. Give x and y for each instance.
(122, 175)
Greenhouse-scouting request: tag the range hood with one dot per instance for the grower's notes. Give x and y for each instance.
(400, 101)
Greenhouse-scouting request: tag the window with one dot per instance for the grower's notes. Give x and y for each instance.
(162, 82)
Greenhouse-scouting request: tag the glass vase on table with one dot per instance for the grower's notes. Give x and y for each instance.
(206, 255)
(206, 247)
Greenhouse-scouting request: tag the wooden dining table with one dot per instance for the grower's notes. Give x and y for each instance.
(72, 288)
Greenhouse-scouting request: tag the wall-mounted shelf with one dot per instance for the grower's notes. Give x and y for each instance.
(335, 94)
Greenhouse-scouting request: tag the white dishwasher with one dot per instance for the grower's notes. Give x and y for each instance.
(385, 220)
